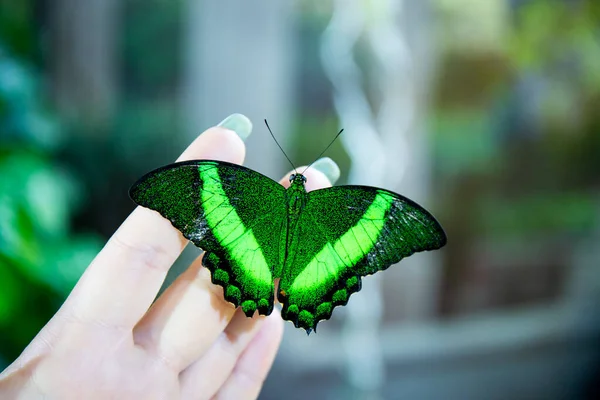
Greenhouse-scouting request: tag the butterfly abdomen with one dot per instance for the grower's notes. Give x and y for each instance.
(296, 197)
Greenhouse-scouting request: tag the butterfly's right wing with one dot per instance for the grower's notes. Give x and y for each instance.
(236, 215)
(343, 234)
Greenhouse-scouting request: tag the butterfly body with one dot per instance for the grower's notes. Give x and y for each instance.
(296, 197)
(253, 230)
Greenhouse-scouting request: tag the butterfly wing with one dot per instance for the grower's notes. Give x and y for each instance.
(344, 233)
(236, 215)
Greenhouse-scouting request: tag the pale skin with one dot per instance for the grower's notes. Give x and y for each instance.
(111, 340)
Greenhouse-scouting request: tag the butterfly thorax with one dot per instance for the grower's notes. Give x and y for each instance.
(296, 198)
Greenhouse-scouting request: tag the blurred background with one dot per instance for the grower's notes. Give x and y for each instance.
(485, 111)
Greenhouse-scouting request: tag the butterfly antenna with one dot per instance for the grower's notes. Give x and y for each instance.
(271, 132)
(323, 152)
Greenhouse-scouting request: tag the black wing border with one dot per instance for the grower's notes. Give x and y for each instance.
(195, 162)
(440, 229)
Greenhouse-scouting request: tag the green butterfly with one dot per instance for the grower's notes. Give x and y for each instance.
(254, 231)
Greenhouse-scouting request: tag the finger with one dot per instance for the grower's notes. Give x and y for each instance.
(252, 368)
(186, 319)
(221, 358)
(122, 281)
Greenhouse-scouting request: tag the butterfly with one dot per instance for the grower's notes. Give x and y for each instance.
(253, 231)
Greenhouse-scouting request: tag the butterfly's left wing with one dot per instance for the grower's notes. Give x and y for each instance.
(344, 233)
(236, 215)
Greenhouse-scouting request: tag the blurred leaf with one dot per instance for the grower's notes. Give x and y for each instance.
(49, 200)
(65, 260)
(548, 32)
(17, 27)
(11, 293)
(47, 194)
(16, 233)
(40, 258)
(21, 116)
(36, 204)
(16, 84)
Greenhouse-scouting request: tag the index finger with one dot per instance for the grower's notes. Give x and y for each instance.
(120, 284)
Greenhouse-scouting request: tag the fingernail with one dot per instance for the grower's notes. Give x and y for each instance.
(329, 168)
(238, 123)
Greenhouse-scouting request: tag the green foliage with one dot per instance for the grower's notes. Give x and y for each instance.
(17, 27)
(40, 259)
(526, 153)
(22, 118)
(569, 213)
(551, 31)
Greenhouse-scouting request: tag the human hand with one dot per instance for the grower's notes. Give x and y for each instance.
(109, 341)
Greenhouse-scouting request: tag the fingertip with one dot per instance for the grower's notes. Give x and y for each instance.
(315, 179)
(275, 317)
(328, 167)
(238, 123)
(216, 143)
(273, 326)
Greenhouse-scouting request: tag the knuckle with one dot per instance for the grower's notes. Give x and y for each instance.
(152, 256)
